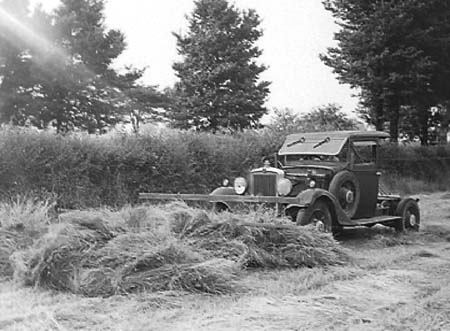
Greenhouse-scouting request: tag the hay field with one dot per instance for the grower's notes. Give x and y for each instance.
(371, 280)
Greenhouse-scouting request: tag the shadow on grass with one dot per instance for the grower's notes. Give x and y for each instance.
(377, 236)
(380, 236)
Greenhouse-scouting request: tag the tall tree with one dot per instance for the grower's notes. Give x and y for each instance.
(219, 84)
(82, 93)
(15, 62)
(395, 55)
(68, 82)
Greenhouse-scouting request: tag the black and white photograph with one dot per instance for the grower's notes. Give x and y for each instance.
(206, 165)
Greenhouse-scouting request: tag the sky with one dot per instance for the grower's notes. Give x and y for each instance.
(295, 33)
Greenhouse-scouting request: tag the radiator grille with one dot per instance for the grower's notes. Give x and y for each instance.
(265, 184)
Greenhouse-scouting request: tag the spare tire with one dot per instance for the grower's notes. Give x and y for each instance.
(345, 187)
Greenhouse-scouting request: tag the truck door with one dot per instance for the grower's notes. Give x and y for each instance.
(363, 155)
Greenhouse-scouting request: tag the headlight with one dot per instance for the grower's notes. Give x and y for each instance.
(312, 183)
(225, 182)
(284, 186)
(240, 185)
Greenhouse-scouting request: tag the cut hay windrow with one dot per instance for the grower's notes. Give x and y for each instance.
(273, 246)
(192, 251)
(215, 276)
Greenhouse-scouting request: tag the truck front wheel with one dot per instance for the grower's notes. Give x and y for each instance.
(318, 214)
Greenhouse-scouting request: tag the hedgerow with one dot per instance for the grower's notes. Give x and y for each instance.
(88, 171)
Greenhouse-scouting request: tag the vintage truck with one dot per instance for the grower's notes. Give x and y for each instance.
(328, 179)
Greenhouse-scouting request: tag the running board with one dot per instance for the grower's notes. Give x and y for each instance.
(372, 220)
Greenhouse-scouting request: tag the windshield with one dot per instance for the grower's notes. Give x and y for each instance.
(293, 159)
(313, 144)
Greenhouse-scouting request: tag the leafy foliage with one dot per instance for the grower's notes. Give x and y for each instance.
(85, 171)
(324, 118)
(218, 74)
(56, 69)
(396, 55)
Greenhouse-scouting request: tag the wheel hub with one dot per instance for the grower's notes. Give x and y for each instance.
(346, 196)
(349, 196)
(412, 220)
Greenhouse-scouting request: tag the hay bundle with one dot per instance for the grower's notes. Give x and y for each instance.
(97, 282)
(11, 241)
(91, 261)
(294, 247)
(231, 228)
(86, 254)
(127, 247)
(184, 223)
(55, 260)
(174, 253)
(219, 247)
(101, 229)
(273, 246)
(216, 276)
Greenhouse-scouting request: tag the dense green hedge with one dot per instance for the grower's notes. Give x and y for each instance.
(87, 171)
(430, 163)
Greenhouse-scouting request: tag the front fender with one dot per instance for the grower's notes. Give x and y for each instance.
(310, 196)
(224, 190)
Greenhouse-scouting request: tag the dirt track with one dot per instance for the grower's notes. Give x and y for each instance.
(395, 283)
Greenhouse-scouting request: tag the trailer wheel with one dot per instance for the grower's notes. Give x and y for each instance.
(318, 214)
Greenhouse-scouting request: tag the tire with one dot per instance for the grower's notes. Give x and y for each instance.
(409, 211)
(220, 207)
(345, 187)
(318, 214)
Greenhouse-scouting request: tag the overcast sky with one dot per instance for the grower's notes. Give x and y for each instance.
(295, 32)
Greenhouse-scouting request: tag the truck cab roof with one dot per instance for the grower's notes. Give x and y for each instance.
(325, 143)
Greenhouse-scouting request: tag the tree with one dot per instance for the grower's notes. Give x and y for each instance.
(67, 80)
(83, 94)
(323, 118)
(395, 55)
(15, 60)
(219, 83)
(285, 120)
(327, 118)
(145, 103)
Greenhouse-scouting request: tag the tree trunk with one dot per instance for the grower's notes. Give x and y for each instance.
(378, 120)
(423, 118)
(393, 111)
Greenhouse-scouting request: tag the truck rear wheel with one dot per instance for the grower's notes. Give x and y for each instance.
(408, 210)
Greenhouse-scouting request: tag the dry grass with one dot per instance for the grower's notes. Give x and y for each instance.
(25, 213)
(22, 220)
(171, 247)
(393, 282)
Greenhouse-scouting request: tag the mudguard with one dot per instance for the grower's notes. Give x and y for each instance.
(310, 196)
(224, 190)
(402, 203)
